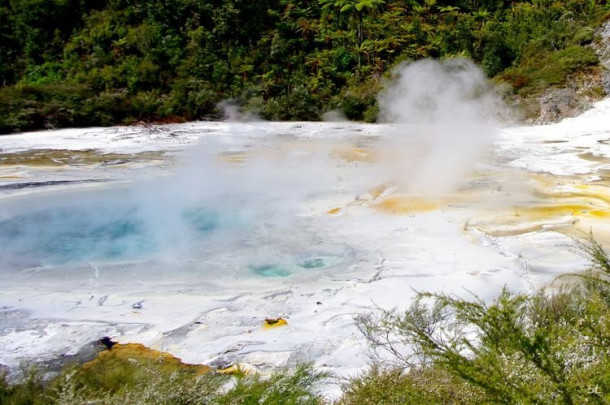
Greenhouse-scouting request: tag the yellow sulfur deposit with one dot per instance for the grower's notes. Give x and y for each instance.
(379, 190)
(274, 323)
(544, 211)
(233, 157)
(566, 205)
(353, 155)
(406, 205)
(238, 369)
(599, 214)
(334, 211)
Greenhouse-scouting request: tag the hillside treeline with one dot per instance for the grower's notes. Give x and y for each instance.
(103, 62)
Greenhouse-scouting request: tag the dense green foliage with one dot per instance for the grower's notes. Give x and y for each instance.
(85, 62)
(136, 380)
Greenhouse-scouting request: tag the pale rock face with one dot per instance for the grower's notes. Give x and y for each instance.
(603, 50)
(603, 46)
(557, 104)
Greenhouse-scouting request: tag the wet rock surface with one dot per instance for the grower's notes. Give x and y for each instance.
(35, 184)
(52, 368)
(62, 348)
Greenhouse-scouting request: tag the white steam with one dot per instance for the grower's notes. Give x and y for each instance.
(245, 193)
(444, 116)
(231, 111)
(334, 116)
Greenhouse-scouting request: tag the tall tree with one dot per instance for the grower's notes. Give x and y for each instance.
(355, 9)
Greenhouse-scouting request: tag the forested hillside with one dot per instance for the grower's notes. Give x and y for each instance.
(102, 62)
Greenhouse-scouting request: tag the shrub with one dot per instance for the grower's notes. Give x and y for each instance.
(287, 387)
(359, 101)
(147, 105)
(584, 36)
(298, 105)
(30, 392)
(551, 347)
(28, 107)
(539, 70)
(133, 374)
(433, 385)
(576, 57)
(497, 58)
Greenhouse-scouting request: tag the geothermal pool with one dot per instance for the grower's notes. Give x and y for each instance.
(187, 237)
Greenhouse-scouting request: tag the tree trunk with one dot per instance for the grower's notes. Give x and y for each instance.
(360, 39)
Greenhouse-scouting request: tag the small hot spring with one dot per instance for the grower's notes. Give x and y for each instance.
(300, 263)
(69, 234)
(72, 234)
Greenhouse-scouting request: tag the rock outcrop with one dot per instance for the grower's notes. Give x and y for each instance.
(582, 89)
(602, 47)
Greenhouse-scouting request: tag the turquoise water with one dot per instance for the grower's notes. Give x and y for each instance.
(78, 230)
(270, 270)
(314, 263)
(274, 270)
(72, 234)
(202, 220)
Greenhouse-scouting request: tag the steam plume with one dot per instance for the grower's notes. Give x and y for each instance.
(444, 116)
